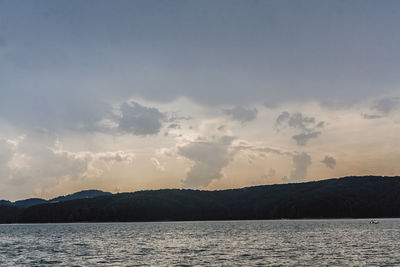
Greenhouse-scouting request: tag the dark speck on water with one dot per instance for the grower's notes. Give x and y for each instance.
(221, 243)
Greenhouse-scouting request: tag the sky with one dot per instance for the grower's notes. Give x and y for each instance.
(124, 96)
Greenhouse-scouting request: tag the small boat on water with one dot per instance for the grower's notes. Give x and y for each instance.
(373, 221)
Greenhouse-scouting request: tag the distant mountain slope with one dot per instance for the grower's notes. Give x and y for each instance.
(350, 197)
(26, 203)
(80, 195)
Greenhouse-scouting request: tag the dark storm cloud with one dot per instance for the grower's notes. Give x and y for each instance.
(242, 114)
(307, 126)
(329, 162)
(140, 120)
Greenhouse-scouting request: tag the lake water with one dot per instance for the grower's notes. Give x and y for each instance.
(223, 243)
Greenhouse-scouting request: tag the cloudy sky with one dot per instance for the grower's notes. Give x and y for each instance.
(131, 95)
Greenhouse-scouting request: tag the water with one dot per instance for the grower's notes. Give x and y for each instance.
(234, 243)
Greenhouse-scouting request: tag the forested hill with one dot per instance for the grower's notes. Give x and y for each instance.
(350, 197)
(26, 203)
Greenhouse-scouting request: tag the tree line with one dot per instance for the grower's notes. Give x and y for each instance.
(349, 197)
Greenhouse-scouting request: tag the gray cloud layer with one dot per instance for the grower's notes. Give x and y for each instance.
(214, 52)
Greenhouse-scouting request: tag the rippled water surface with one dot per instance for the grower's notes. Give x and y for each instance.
(237, 243)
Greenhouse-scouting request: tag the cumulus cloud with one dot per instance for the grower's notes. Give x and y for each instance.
(140, 120)
(167, 152)
(156, 163)
(134, 118)
(242, 114)
(301, 162)
(209, 158)
(38, 161)
(329, 162)
(307, 126)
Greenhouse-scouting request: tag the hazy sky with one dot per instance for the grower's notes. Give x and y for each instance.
(132, 95)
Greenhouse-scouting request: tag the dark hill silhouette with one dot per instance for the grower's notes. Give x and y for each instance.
(350, 197)
(26, 203)
(80, 195)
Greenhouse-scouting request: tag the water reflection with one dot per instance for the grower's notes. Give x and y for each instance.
(245, 243)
